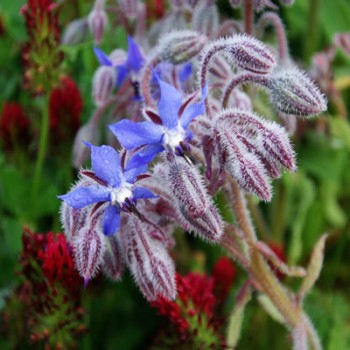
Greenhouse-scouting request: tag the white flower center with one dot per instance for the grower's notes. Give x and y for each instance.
(173, 137)
(120, 194)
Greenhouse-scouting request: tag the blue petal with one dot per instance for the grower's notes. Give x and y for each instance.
(132, 135)
(169, 103)
(80, 197)
(135, 59)
(131, 175)
(102, 57)
(105, 163)
(193, 110)
(111, 220)
(185, 72)
(123, 72)
(141, 192)
(144, 156)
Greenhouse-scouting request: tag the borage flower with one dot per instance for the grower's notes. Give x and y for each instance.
(167, 130)
(114, 184)
(131, 66)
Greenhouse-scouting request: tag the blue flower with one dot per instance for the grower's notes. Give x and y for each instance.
(132, 65)
(168, 129)
(114, 184)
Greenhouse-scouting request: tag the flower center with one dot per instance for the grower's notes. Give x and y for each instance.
(120, 194)
(173, 137)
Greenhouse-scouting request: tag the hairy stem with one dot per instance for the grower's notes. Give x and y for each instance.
(146, 79)
(248, 16)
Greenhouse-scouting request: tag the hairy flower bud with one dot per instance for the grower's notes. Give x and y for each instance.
(129, 7)
(187, 185)
(181, 45)
(89, 247)
(75, 32)
(250, 54)
(148, 260)
(235, 3)
(113, 259)
(239, 99)
(206, 20)
(103, 84)
(209, 225)
(292, 92)
(97, 21)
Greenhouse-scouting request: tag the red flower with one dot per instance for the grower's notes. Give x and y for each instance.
(65, 107)
(223, 274)
(14, 126)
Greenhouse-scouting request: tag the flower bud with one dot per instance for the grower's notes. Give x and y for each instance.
(97, 21)
(235, 3)
(287, 2)
(250, 54)
(113, 260)
(343, 41)
(181, 45)
(187, 185)
(129, 7)
(292, 92)
(209, 225)
(81, 153)
(148, 260)
(76, 32)
(89, 247)
(239, 99)
(206, 20)
(103, 84)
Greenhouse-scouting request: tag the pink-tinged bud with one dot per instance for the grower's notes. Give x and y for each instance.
(206, 20)
(103, 84)
(209, 225)
(235, 3)
(129, 7)
(187, 185)
(243, 165)
(250, 54)
(97, 21)
(81, 153)
(76, 32)
(180, 46)
(89, 247)
(287, 2)
(292, 92)
(148, 260)
(239, 99)
(343, 41)
(113, 259)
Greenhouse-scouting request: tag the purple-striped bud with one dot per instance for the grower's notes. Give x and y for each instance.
(97, 21)
(180, 46)
(292, 92)
(206, 20)
(76, 32)
(187, 185)
(209, 225)
(113, 259)
(148, 260)
(89, 248)
(250, 54)
(81, 153)
(129, 7)
(103, 84)
(239, 99)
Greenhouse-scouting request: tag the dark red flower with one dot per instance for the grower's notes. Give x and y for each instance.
(65, 107)
(155, 9)
(14, 126)
(223, 274)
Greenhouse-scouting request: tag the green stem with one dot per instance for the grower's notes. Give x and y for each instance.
(44, 134)
(312, 29)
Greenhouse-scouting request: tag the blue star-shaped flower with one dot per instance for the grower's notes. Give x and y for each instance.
(114, 184)
(132, 65)
(168, 129)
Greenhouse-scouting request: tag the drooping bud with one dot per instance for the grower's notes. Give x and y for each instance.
(76, 32)
(342, 40)
(180, 46)
(113, 259)
(239, 99)
(250, 54)
(81, 153)
(97, 21)
(129, 7)
(209, 225)
(148, 260)
(103, 84)
(206, 20)
(187, 185)
(292, 92)
(89, 247)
